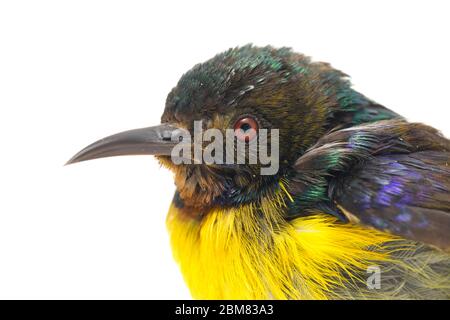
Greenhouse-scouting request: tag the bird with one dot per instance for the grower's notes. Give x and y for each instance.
(360, 192)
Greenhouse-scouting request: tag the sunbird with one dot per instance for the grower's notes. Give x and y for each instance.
(358, 208)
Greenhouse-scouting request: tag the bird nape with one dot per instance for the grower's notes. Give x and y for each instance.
(357, 208)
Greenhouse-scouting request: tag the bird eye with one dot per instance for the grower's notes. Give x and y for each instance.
(245, 129)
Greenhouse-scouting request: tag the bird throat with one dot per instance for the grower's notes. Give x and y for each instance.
(252, 252)
(201, 187)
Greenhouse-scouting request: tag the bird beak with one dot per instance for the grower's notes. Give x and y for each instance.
(157, 140)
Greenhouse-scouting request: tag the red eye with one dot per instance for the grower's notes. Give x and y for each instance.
(245, 129)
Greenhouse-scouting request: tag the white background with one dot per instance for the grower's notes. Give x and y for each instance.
(74, 71)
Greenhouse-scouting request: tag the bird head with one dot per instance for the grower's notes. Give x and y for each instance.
(244, 90)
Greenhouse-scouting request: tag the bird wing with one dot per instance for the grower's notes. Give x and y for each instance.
(407, 195)
(389, 175)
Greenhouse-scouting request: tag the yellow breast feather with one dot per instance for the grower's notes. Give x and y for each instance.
(252, 252)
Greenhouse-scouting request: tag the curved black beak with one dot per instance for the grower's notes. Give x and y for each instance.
(157, 140)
